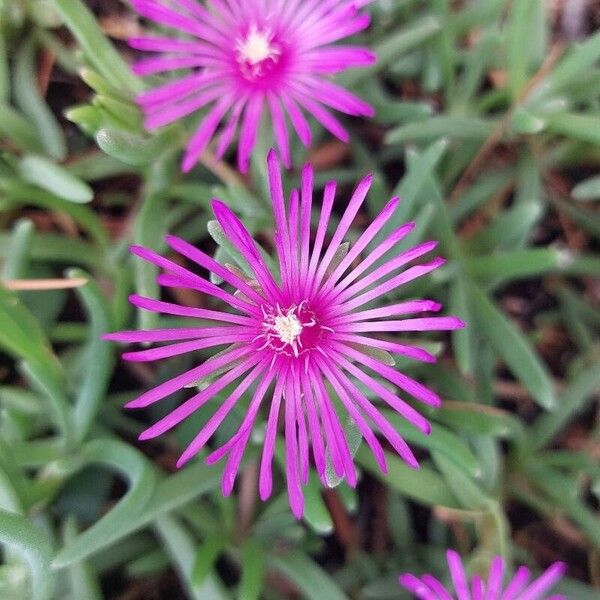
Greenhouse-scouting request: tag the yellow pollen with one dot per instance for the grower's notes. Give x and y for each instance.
(256, 47)
(288, 328)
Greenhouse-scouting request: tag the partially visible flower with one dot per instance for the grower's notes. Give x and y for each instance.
(306, 332)
(428, 587)
(249, 57)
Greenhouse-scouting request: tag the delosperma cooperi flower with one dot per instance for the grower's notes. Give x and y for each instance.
(304, 335)
(249, 57)
(427, 587)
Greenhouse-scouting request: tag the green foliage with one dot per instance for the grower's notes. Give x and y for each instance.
(489, 131)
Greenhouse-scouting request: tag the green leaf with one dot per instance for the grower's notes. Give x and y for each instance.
(89, 118)
(98, 363)
(30, 101)
(83, 581)
(206, 556)
(554, 484)
(354, 439)
(389, 111)
(520, 28)
(412, 185)
(423, 485)
(526, 123)
(180, 547)
(573, 588)
(336, 259)
(56, 248)
(463, 342)
(508, 229)
(582, 218)
(382, 356)
(96, 166)
(475, 69)
(49, 176)
(4, 74)
(100, 85)
(578, 62)
(84, 215)
(469, 494)
(461, 128)
(518, 264)
(22, 336)
(135, 149)
(571, 401)
(478, 419)
(170, 494)
(253, 570)
(478, 14)
(589, 189)
(13, 484)
(514, 349)
(142, 481)
(440, 439)
(390, 48)
(98, 50)
(306, 575)
(122, 113)
(315, 510)
(577, 126)
(487, 186)
(18, 129)
(149, 231)
(16, 261)
(33, 545)
(153, 563)
(218, 235)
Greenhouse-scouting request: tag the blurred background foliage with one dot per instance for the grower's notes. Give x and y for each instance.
(488, 127)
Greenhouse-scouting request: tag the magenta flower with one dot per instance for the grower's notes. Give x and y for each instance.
(429, 588)
(251, 56)
(302, 333)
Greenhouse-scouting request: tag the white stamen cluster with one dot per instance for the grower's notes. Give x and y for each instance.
(254, 49)
(282, 330)
(288, 328)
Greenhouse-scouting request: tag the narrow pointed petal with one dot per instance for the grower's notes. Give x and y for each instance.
(404, 382)
(177, 383)
(517, 584)
(242, 240)
(265, 486)
(396, 441)
(356, 201)
(413, 352)
(248, 130)
(204, 134)
(168, 308)
(219, 416)
(171, 335)
(401, 407)
(545, 582)
(198, 400)
(356, 416)
(233, 464)
(436, 587)
(291, 453)
(417, 587)
(370, 232)
(457, 573)
(209, 263)
(153, 354)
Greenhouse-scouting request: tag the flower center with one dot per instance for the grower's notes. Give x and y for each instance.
(288, 328)
(290, 331)
(257, 53)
